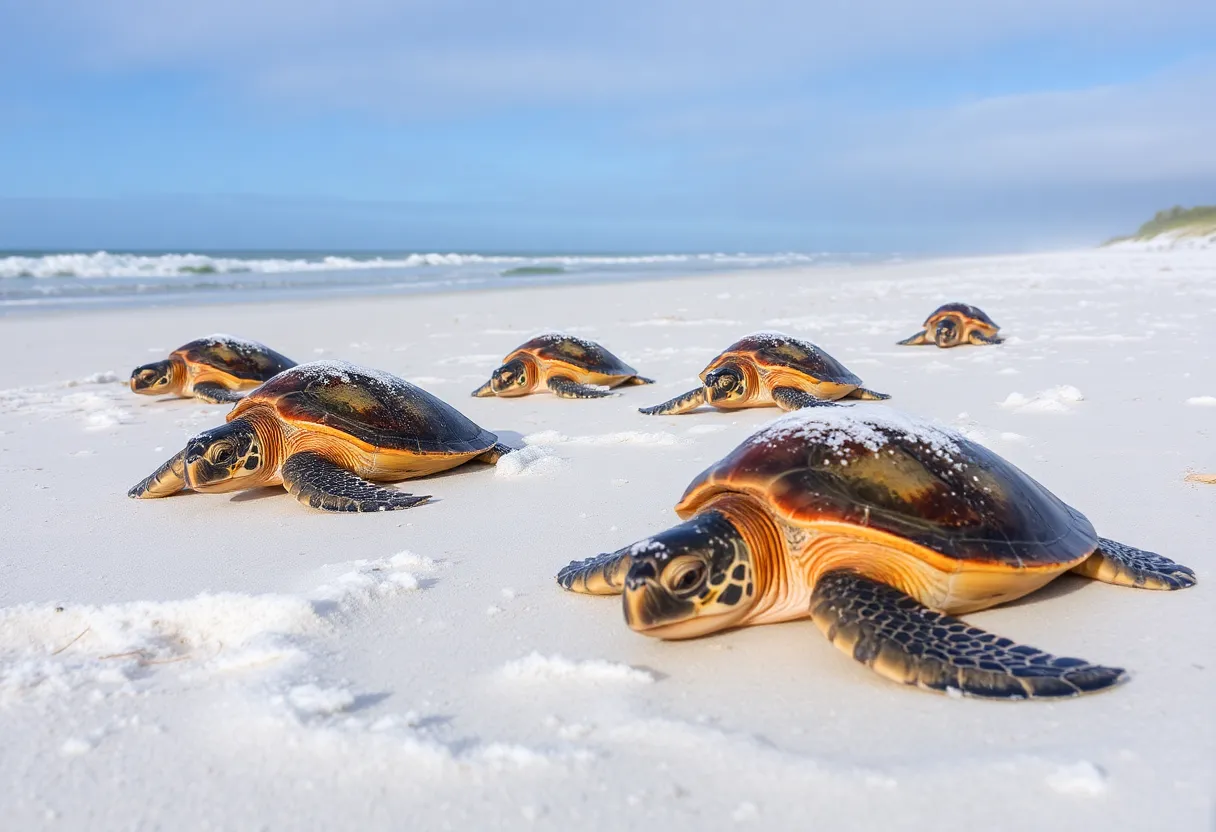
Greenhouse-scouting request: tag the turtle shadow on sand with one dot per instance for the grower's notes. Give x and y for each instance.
(1059, 588)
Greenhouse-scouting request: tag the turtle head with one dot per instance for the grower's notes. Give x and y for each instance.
(726, 386)
(227, 458)
(515, 378)
(690, 580)
(947, 333)
(154, 379)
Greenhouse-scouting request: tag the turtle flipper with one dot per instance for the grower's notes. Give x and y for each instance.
(907, 642)
(632, 380)
(791, 398)
(1117, 563)
(570, 389)
(169, 478)
(494, 454)
(601, 575)
(484, 391)
(680, 404)
(868, 395)
(978, 338)
(915, 341)
(216, 393)
(315, 481)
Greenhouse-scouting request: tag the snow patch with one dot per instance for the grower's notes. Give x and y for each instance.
(532, 461)
(537, 668)
(1082, 778)
(629, 437)
(1055, 400)
(311, 700)
(1202, 401)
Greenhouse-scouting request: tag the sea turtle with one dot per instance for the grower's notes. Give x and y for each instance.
(570, 367)
(769, 368)
(954, 324)
(215, 369)
(880, 528)
(322, 430)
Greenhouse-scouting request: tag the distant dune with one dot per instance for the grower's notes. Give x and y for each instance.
(1173, 228)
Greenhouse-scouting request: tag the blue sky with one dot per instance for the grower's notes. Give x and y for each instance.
(627, 125)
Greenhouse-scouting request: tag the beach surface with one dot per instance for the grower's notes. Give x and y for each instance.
(240, 661)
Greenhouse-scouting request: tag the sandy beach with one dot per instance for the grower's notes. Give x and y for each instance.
(240, 661)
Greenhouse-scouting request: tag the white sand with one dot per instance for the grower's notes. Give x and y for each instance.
(242, 661)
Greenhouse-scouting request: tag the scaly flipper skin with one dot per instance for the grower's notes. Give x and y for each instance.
(906, 642)
(685, 403)
(169, 478)
(216, 394)
(1117, 563)
(629, 382)
(789, 398)
(484, 391)
(601, 575)
(568, 389)
(867, 395)
(496, 453)
(915, 341)
(980, 339)
(315, 481)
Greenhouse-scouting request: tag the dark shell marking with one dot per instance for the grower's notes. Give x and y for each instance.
(235, 356)
(964, 309)
(377, 408)
(773, 349)
(586, 355)
(910, 479)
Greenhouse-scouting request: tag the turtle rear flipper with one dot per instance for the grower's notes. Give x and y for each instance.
(1117, 563)
(570, 389)
(979, 338)
(868, 395)
(634, 380)
(496, 453)
(169, 478)
(217, 393)
(680, 404)
(315, 481)
(601, 575)
(915, 341)
(790, 398)
(907, 642)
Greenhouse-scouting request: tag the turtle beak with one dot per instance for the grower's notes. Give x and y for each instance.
(484, 391)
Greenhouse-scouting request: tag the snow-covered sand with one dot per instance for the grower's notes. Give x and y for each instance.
(240, 661)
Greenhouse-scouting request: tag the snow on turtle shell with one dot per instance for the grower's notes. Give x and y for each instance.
(883, 469)
(577, 352)
(776, 349)
(375, 407)
(238, 357)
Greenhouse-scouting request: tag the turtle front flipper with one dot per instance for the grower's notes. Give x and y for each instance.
(978, 338)
(494, 454)
(791, 398)
(901, 639)
(680, 404)
(1117, 563)
(217, 393)
(633, 380)
(915, 341)
(569, 389)
(315, 481)
(169, 478)
(868, 395)
(484, 391)
(601, 575)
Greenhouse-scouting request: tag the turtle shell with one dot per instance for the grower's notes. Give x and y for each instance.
(887, 471)
(964, 309)
(557, 347)
(373, 407)
(235, 356)
(775, 349)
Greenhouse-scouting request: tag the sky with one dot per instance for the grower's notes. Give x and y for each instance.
(630, 125)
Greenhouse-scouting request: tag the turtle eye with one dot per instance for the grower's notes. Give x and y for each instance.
(726, 381)
(223, 456)
(162, 381)
(685, 576)
(521, 380)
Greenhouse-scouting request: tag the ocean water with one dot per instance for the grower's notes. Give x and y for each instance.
(45, 281)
